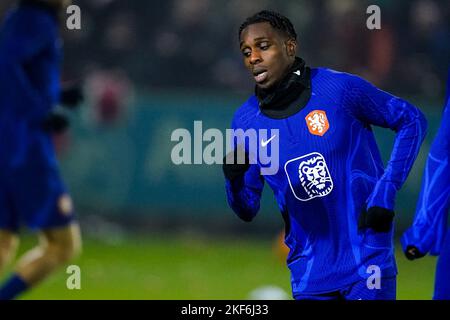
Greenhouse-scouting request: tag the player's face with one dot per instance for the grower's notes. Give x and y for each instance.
(267, 53)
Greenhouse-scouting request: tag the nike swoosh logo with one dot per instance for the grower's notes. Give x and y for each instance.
(297, 72)
(265, 143)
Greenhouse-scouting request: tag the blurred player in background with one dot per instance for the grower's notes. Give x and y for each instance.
(31, 189)
(429, 232)
(335, 195)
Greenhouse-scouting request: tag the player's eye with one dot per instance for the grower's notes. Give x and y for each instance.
(246, 52)
(264, 45)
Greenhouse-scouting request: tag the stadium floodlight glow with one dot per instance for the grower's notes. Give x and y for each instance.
(261, 145)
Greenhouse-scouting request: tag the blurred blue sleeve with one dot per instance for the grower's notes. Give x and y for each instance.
(27, 34)
(244, 193)
(430, 222)
(373, 106)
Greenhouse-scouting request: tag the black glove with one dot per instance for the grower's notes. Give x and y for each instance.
(412, 253)
(71, 96)
(233, 169)
(377, 218)
(55, 123)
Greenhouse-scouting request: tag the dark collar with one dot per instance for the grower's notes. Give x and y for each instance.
(291, 94)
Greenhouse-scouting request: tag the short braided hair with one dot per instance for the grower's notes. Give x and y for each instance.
(276, 20)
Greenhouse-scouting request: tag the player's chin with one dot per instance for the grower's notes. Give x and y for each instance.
(265, 85)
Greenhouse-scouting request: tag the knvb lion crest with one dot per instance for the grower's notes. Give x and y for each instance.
(317, 122)
(309, 176)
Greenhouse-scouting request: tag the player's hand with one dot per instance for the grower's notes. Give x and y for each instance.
(377, 218)
(55, 123)
(413, 253)
(231, 168)
(71, 96)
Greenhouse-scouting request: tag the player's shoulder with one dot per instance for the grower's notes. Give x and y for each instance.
(246, 112)
(327, 74)
(326, 82)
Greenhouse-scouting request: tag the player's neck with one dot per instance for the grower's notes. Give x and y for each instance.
(294, 87)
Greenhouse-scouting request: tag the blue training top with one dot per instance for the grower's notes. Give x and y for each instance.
(329, 169)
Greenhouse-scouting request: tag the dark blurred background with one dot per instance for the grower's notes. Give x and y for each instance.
(193, 44)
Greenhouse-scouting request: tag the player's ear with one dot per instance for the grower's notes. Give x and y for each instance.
(291, 47)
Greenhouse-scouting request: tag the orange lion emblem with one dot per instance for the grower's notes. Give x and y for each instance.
(317, 122)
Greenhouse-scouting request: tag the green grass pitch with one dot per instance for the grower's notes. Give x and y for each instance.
(197, 267)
